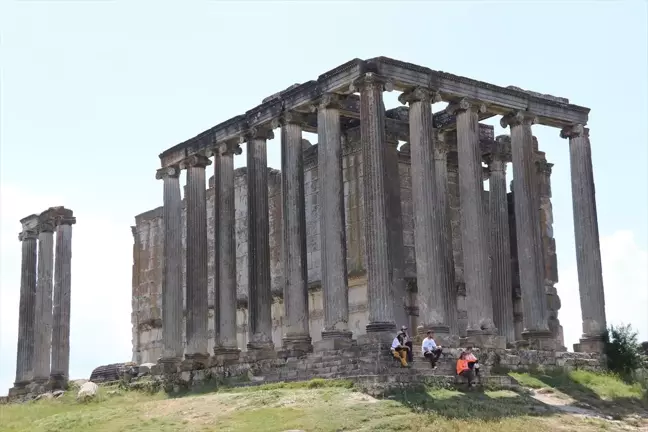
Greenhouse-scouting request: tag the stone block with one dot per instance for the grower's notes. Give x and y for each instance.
(591, 345)
(484, 340)
(333, 343)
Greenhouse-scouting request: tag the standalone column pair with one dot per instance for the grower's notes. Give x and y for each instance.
(43, 353)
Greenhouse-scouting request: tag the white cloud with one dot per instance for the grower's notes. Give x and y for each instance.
(101, 284)
(625, 278)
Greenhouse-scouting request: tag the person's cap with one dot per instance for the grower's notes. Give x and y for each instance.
(403, 328)
(429, 332)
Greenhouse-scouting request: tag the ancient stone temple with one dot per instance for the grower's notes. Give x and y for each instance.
(384, 222)
(43, 354)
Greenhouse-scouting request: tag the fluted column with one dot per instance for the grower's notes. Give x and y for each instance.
(501, 281)
(378, 260)
(473, 223)
(433, 276)
(335, 285)
(586, 234)
(295, 269)
(549, 247)
(196, 257)
(534, 303)
(225, 250)
(43, 313)
(395, 223)
(60, 372)
(26, 318)
(443, 202)
(259, 290)
(172, 295)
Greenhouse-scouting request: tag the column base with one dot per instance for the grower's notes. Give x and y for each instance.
(590, 344)
(379, 332)
(483, 339)
(225, 356)
(442, 335)
(57, 382)
(166, 365)
(40, 380)
(195, 361)
(540, 340)
(297, 344)
(333, 340)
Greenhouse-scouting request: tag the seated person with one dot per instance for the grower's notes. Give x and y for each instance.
(399, 350)
(473, 363)
(465, 371)
(408, 343)
(431, 351)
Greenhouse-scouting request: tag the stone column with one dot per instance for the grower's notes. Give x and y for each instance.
(335, 285)
(549, 247)
(43, 312)
(501, 281)
(516, 293)
(60, 372)
(395, 221)
(196, 257)
(225, 253)
(588, 249)
(26, 318)
(434, 277)
(259, 289)
(534, 303)
(442, 196)
(295, 269)
(454, 209)
(378, 261)
(172, 292)
(481, 329)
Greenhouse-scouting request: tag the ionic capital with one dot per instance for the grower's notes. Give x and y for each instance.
(391, 137)
(328, 101)
(464, 105)
(289, 117)
(257, 133)
(544, 167)
(30, 234)
(371, 81)
(574, 131)
(440, 149)
(517, 118)
(46, 224)
(419, 94)
(195, 161)
(496, 165)
(65, 220)
(168, 171)
(230, 148)
(500, 151)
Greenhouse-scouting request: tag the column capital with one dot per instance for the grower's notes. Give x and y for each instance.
(328, 101)
(65, 220)
(46, 225)
(518, 117)
(574, 131)
(229, 148)
(169, 171)
(195, 161)
(371, 80)
(419, 94)
(440, 149)
(544, 167)
(500, 153)
(29, 234)
(465, 104)
(289, 117)
(257, 133)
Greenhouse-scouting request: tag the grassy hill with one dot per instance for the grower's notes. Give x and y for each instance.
(579, 401)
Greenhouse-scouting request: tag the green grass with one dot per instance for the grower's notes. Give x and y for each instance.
(313, 406)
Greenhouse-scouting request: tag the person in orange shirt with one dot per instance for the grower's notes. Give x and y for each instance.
(473, 363)
(464, 370)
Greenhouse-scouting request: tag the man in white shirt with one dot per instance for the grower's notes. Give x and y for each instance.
(431, 351)
(399, 350)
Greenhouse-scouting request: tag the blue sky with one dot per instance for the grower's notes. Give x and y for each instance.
(93, 91)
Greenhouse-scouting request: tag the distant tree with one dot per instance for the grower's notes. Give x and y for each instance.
(623, 351)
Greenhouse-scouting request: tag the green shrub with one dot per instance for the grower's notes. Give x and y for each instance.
(623, 351)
